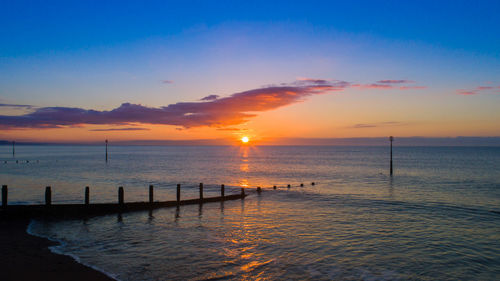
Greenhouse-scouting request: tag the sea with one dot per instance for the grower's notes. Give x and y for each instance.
(436, 218)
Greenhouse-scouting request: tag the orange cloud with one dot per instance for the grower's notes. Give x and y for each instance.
(216, 112)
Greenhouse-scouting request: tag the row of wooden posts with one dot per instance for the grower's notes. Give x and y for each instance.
(121, 193)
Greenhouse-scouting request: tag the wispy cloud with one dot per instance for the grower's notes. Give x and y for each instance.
(389, 84)
(167, 81)
(477, 90)
(484, 88)
(373, 86)
(120, 129)
(233, 110)
(24, 106)
(467, 92)
(412, 87)
(312, 80)
(395, 81)
(375, 125)
(210, 98)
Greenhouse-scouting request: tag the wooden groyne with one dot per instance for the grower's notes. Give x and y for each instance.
(50, 210)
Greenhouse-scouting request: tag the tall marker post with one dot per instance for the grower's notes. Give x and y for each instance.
(391, 139)
(13, 149)
(106, 150)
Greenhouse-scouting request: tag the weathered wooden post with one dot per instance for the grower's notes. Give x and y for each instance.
(151, 193)
(87, 195)
(4, 195)
(312, 183)
(259, 189)
(301, 185)
(391, 139)
(201, 191)
(106, 150)
(48, 196)
(222, 190)
(274, 187)
(178, 193)
(120, 195)
(242, 192)
(288, 186)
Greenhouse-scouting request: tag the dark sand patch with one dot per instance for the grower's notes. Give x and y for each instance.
(26, 257)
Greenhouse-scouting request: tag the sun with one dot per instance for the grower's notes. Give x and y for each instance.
(245, 139)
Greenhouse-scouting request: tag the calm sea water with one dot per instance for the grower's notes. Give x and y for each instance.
(437, 218)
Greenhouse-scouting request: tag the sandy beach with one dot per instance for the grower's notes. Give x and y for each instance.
(26, 257)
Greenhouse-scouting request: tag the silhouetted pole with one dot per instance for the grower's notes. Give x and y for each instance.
(4, 196)
(106, 150)
(13, 149)
(178, 193)
(87, 195)
(151, 193)
(222, 190)
(48, 196)
(201, 191)
(120, 195)
(242, 192)
(391, 139)
(259, 189)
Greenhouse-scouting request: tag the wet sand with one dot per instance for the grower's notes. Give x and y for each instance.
(26, 257)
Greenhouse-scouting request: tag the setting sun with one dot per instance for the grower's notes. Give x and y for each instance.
(245, 139)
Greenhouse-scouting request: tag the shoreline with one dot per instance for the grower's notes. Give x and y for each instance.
(27, 257)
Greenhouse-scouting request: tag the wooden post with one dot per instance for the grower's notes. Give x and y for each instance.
(48, 196)
(259, 189)
(222, 190)
(87, 195)
(274, 187)
(150, 193)
(106, 150)
(13, 149)
(178, 193)
(391, 139)
(312, 183)
(4, 196)
(120, 195)
(288, 186)
(301, 185)
(201, 191)
(242, 192)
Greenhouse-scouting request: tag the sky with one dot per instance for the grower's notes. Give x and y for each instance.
(187, 70)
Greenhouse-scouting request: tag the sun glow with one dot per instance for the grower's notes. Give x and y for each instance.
(245, 139)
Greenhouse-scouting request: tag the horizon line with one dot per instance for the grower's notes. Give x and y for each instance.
(354, 141)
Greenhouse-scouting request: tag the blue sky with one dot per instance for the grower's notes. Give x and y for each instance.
(99, 54)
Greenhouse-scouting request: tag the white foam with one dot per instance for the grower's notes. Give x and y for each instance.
(57, 250)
